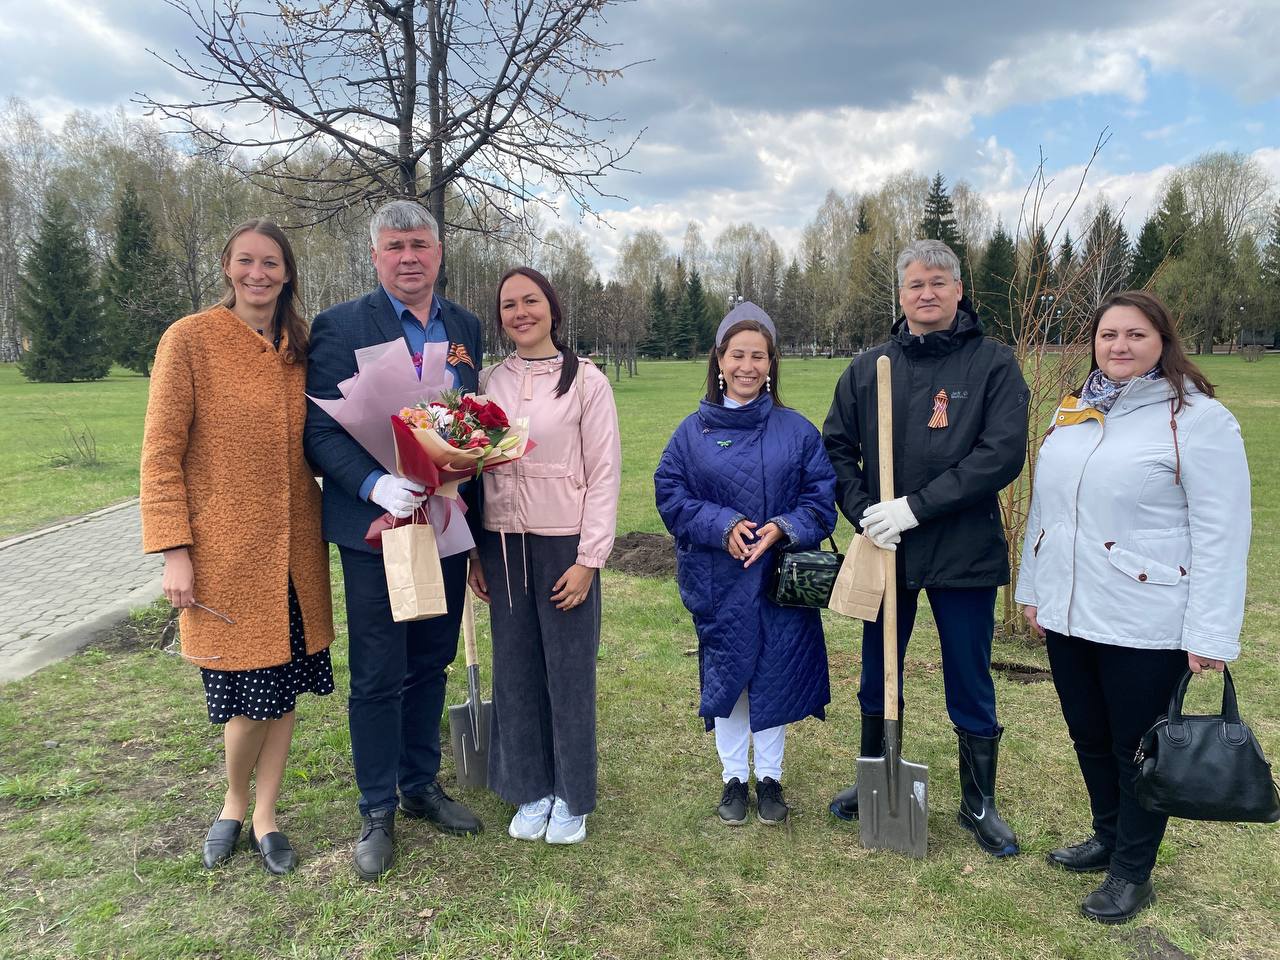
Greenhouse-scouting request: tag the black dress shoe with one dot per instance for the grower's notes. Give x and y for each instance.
(274, 851)
(220, 843)
(444, 812)
(1117, 900)
(1091, 856)
(376, 846)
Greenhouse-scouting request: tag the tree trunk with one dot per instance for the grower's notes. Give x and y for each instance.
(435, 93)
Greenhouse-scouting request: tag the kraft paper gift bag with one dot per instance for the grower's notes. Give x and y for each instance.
(859, 586)
(415, 582)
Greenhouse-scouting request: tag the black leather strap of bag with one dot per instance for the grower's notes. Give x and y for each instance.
(790, 550)
(1235, 732)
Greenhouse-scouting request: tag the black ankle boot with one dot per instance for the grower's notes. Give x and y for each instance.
(978, 812)
(845, 803)
(1118, 900)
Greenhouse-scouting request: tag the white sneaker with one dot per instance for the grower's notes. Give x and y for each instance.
(564, 826)
(530, 821)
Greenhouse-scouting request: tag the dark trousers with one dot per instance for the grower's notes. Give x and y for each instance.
(543, 738)
(397, 680)
(966, 619)
(1110, 697)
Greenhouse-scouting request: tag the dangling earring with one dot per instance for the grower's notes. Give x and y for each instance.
(720, 378)
(768, 380)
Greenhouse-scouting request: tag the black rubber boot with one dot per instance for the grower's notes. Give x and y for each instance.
(844, 805)
(978, 814)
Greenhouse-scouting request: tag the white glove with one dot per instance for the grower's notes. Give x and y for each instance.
(884, 522)
(398, 496)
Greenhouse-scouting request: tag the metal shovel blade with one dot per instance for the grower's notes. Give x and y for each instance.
(469, 725)
(893, 799)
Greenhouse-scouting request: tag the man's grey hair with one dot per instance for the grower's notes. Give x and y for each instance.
(931, 253)
(401, 215)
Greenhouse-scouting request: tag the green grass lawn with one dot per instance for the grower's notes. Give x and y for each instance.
(42, 480)
(109, 777)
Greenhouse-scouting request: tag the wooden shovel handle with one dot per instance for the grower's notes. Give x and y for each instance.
(884, 437)
(469, 628)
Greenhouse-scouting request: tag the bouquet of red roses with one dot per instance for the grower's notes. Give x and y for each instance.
(460, 435)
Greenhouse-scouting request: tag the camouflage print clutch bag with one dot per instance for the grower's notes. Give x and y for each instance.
(805, 578)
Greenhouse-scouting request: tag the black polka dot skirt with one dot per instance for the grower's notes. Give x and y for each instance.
(269, 693)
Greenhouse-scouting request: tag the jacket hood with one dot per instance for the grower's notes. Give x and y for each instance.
(964, 328)
(718, 416)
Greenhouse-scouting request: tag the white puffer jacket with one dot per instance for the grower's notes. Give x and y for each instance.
(1137, 540)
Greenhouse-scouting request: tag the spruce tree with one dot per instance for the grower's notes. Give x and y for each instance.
(701, 329)
(863, 225)
(791, 307)
(993, 295)
(657, 342)
(939, 221)
(139, 295)
(1175, 221)
(1148, 254)
(58, 302)
(1066, 261)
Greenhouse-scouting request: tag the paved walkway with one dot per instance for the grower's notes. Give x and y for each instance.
(63, 586)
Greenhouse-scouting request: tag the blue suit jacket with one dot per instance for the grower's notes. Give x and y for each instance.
(336, 335)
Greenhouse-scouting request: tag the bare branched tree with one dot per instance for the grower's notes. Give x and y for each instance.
(465, 100)
(1055, 302)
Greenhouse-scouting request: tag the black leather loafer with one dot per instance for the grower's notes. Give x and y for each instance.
(220, 843)
(1117, 900)
(1091, 856)
(441, 810)
(274, 851)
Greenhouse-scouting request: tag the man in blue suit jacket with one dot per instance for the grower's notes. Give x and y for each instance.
(397, 669)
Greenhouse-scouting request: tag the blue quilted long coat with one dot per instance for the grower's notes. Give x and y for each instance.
(761, 462)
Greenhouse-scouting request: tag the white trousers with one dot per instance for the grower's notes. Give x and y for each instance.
(734, 736)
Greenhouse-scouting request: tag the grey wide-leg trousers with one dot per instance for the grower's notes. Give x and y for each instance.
(543, 739)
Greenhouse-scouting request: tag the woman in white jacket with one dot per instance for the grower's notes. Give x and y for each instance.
(1133, 568)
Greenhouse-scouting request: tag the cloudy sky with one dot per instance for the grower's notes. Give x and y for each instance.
(752, 110)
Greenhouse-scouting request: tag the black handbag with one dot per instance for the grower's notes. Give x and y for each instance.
(804, 578)
(1205, 768)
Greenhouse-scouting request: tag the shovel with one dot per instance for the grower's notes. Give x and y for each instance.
(893, 793)
(469, 722)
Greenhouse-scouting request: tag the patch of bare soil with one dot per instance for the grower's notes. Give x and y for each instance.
(1150, 944)
(644, 555)
(150, 631)
(1021, 672)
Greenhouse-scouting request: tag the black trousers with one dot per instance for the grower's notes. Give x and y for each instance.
(1110, 697)
(397, 680)
(966, 618)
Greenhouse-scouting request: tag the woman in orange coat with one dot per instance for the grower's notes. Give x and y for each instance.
(229, 499)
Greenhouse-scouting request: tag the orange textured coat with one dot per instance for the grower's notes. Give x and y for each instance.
(223, 473)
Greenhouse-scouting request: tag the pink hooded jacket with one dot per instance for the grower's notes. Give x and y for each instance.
(569, 483)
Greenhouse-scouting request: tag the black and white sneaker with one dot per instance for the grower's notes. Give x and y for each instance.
(770, 807)
(733, 803)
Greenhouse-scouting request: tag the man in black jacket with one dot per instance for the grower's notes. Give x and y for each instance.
(959, 437)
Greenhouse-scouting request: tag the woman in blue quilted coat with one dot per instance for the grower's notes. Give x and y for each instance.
(741, 477)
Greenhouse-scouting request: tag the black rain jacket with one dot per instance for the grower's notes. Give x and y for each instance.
(950, 475)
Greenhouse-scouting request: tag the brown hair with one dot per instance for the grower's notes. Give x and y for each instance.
(569, 369)
(288, 320)
(1174, 362)
(714, 393)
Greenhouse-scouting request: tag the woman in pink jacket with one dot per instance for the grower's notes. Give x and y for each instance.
(548, 529)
